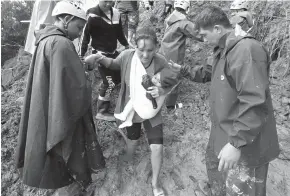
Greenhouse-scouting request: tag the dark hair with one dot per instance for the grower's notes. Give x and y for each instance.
(146, 33)
(211, 16)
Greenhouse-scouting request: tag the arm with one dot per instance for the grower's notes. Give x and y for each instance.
(86, 37)
(190, 31)
(120, 34)
(249, 72)
(200, 73)
(101, 60)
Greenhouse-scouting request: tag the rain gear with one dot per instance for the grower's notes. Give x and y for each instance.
(178, 28)
(57, 139)
(240, 100)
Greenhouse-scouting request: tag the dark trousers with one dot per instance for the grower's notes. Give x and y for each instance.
(110, 78)
(243, 180)
(172, 97)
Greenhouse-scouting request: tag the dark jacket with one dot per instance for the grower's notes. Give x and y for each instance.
(178, 29)
(240, 99)
(103, 32)
(56, 122)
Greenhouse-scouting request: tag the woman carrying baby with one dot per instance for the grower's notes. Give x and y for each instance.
(134, 64)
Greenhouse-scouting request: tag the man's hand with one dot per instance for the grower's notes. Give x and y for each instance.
(174, 66)
(229, 157)
(155, 91)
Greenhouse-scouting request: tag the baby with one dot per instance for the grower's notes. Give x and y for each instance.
(144, 108)
(242, 19)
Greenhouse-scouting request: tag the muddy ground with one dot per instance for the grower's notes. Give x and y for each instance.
(185, 136)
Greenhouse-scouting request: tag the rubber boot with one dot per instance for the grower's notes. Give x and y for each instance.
(103, 114)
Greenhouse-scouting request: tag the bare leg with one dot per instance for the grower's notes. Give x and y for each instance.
(128, 122)
(156, 161)
(127, 110)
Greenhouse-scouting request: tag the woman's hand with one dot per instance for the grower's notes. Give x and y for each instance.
(94, 59)
(174, 66)
(155, 91)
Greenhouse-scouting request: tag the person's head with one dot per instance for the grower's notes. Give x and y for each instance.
(69, 17)
(212, 23)
(182, 6)
(156, 80)
(106, 5)
(147, 44)
(239, 6)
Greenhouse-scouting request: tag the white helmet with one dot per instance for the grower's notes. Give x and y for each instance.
(184, 4)
(69, 7)
(240, 4)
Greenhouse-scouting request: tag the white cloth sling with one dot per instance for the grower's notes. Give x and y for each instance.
(141, 104)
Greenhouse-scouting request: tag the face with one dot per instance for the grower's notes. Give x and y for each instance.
(106, 5)
(75, 28)
(212, 36)
(156, 80)
(146, 49)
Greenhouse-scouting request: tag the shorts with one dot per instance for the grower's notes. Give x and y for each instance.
(154, 134)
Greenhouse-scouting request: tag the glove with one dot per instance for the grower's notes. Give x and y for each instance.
(146, 83)
(167, 9)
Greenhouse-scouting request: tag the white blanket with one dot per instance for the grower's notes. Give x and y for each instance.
(141, 104)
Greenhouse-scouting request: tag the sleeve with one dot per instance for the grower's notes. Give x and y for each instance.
(164, 65)
(120, 34)
(69, 93)
(86, 37)
(249, 72)
(115, 64)
(190, 31)
(199, 73)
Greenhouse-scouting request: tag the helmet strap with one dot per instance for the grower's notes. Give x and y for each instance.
(65, 24)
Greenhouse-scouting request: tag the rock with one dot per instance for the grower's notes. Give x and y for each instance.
(6, 76)
(20, 100)
(285, 100)
(286, 93)
(276, 105)
(196, 47)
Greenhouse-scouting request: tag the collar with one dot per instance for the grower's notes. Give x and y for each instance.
(102, 14)
(222, 41)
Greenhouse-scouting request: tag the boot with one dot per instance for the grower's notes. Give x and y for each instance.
(103, 114)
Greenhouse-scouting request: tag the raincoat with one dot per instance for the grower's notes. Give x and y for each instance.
(57, 139)
(240, 100)
(178, 28)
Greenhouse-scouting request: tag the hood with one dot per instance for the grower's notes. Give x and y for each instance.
(47, 31)
(174, 17)
(229, 40)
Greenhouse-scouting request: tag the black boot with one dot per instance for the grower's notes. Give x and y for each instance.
(103, 114)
